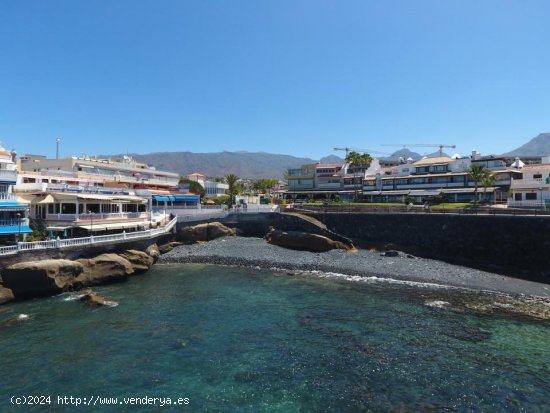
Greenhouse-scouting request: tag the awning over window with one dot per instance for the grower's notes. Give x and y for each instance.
(15, 229)
(176, 198)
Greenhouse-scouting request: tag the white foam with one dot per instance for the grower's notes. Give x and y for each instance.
(374, 279)
(437, 304)
(73, 297)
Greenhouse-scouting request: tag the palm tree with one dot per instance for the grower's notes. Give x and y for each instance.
(487, 180)
(476, 173)
(357, 160)
(231, 180)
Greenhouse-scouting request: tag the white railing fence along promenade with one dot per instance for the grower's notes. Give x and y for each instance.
(93, 240)
(216, 213)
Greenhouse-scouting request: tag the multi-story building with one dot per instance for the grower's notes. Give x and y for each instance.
(78, 196)
(212, 189)
(532, 190)
(443, 176)
(14, 221)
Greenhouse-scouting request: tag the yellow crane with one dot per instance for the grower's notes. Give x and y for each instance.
(348, 150)
(424, 145)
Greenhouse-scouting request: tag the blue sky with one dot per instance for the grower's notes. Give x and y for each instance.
(294, 77)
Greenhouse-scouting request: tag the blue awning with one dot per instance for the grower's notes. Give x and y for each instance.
(13, 205)
(163, 198)
(178, 198)
(15, 229)
(187, 198)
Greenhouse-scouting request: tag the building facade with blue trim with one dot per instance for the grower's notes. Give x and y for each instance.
(14, 216)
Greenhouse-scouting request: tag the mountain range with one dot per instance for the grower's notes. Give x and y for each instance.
(255, 165)
(251, 165)
(538, 146)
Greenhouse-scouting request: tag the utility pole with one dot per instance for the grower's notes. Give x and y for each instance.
(57, 148)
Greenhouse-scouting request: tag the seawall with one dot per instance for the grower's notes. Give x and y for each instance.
(513, 245)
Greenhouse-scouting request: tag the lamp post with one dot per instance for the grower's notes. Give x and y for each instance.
(57, 148)
(91, 222)
(19, 223)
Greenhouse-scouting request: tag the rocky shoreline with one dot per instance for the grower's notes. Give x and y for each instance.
(507, 293)
(256, 252)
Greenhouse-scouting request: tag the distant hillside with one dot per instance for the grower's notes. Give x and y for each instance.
(252, 165)
(539, 145)
(405, 154)
(332, 159)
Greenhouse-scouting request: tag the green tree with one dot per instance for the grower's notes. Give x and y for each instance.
(232, 180)
(358, 162)
(194, 186)
(264, 186)
(476, 173)
(487, 180)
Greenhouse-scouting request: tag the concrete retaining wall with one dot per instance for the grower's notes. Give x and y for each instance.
(512, 245)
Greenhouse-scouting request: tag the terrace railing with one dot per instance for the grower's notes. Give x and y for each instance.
(92, 240)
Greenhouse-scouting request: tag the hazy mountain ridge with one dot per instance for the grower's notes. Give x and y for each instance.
(252, 165)
(538, 146)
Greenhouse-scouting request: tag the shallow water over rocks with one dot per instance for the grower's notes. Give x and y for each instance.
(244, 340)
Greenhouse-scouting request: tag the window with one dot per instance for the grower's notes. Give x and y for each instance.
(517, 197)
(531, 196)
(537, 176)
(68, 208)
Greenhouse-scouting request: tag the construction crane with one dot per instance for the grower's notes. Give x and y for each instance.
(348, 150)
(425, 145)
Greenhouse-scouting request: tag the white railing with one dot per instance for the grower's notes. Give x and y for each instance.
(8, 196)
(93, 240)
(13, 222)
(7, 173)
(529, 204)
(95, 218)
(202, 216)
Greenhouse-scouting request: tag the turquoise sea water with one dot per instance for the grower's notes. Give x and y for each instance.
(243, 340)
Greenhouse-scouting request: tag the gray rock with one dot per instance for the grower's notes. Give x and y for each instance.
(204, 232)
(391, 253)
(303, 241)
(153, 251)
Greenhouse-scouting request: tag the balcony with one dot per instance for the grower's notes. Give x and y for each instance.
(8, 196)
(530, 183)
(7, 175)
(97, 217)
(15, 222)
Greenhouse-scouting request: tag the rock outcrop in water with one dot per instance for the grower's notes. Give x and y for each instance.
(303, 241)
(95, 300)
(41, 278)
(49, 277)
(204, 232)
(6, 295)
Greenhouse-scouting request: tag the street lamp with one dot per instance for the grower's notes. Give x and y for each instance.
(19, 223)
(91, 222)
(57, 148)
